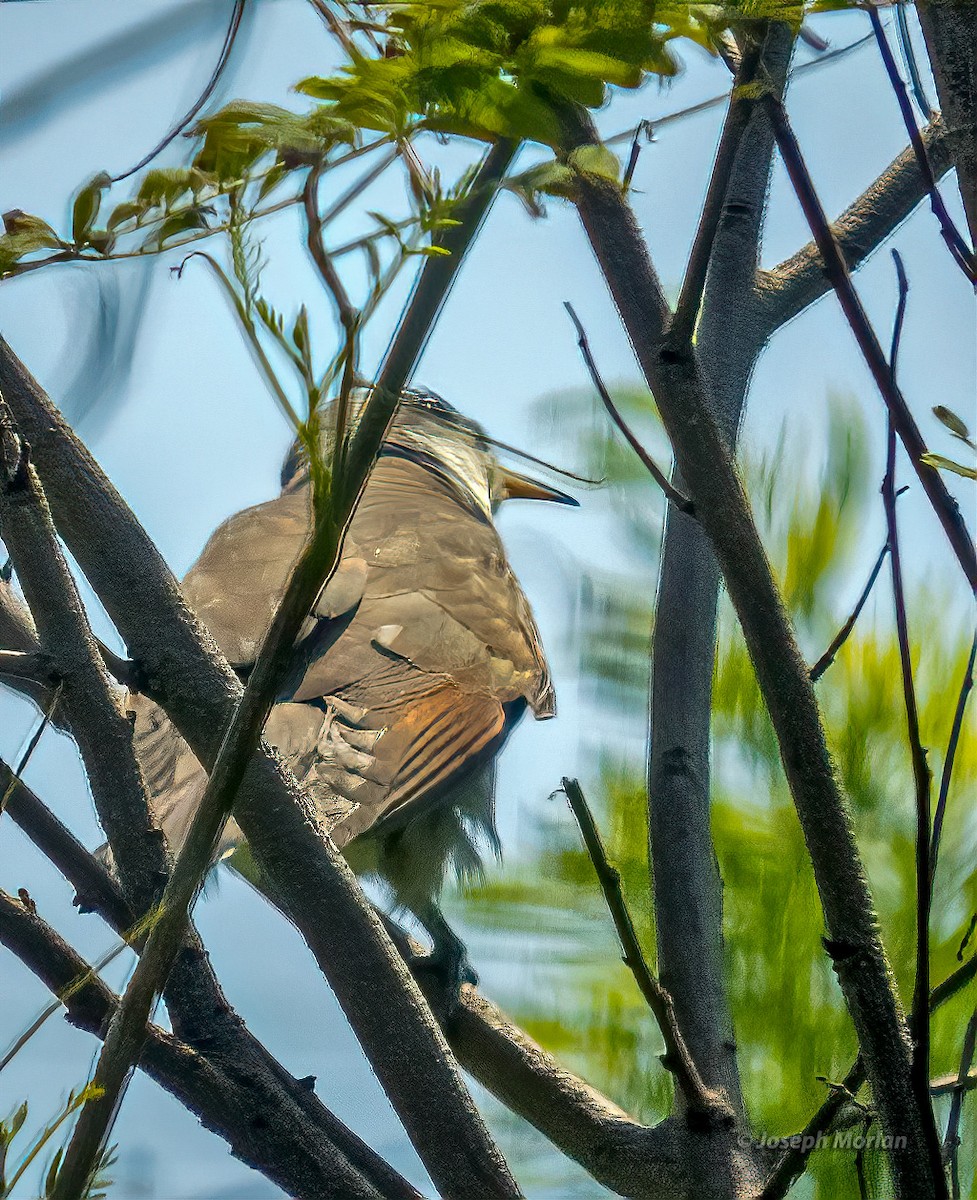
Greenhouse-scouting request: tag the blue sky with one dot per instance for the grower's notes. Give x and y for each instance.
(189, 435)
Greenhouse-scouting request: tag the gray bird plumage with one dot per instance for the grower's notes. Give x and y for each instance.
(420, 656)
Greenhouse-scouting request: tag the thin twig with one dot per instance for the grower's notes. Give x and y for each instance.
(951, 752)
(652, 125)
(677, 1059)
(909, 56)
(791, 1163)
(682, 326)
(225, 54)
(349, 317)
(919, 1011)
(946, 1085)
(837, 270)
(828, 657)
(951, 1143)
(681, 502)
(46, 717)
(962, 255)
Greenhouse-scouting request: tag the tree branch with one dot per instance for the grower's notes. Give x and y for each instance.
(962, 255)
(687, 889)
(951, 753)
(922, 778)
(703, 455)
(950, 31)
(259, 1128)
(701, 1104)
(843, 634)
(801, 280)
(202, 1016)
(836, 268)
(681, 502)
(199, 690)
(742, 102)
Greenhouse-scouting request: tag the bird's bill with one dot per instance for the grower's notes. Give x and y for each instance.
(521, 487)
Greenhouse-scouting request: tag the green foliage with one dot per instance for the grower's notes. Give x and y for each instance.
(572, 993)
(10, 1128)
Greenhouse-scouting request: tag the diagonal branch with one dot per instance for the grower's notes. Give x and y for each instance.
(834, 264)
(704, 1105)
(800, 280)
(284, 830)
(259, 1127)
(738, 115)
(962, 255)
(843, 634)
(681, 502)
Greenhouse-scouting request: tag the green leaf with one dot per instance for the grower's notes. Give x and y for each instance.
(549, 178)
(163, 185)
(940, 463)
(86, 206)
(300, 332)
(183, 222)
(946, 416)
(124, 212)
(14, 247)
(21, 224)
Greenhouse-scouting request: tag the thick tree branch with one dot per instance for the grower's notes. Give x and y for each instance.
(800, 280)
(703, 455)
(88, 702)
(199, 690)
(687, 889)
(202, 1016)
(258, 1129)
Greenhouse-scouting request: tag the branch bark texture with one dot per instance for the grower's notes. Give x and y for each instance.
(704, 457)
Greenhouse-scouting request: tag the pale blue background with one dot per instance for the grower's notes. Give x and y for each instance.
(188, 433)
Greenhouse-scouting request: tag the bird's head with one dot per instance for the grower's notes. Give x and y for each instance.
(432, 432)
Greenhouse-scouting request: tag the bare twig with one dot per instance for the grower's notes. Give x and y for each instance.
(20, 664)
(922, 778)
(951, 1143)
(46, 717)
(682, 503)
(962, 255)
(232, 31)
(943, 503)
(673, 118)
(801, 280)
(843, 634)
(791, 1163)
(946, 1085)
(702, 1103)
(951, 753)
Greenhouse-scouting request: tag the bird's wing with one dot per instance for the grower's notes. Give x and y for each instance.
(236, 584)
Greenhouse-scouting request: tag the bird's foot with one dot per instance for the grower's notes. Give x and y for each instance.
(446, 968)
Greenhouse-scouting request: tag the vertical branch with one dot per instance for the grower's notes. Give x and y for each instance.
(952, 1141)
(919, 1012)
(686, 886)
(966, 686)
(703, 455)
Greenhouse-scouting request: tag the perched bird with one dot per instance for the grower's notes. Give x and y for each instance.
(419, 658)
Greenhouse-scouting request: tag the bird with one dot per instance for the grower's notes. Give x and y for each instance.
(418, 660)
